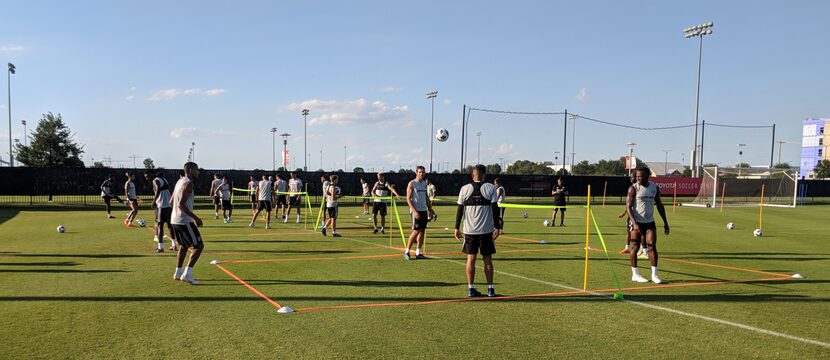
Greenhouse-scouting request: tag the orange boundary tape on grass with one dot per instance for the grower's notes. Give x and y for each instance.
(381, 256)
(725, 267)
(272, 302)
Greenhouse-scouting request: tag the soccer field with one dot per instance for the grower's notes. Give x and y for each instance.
(97, 291)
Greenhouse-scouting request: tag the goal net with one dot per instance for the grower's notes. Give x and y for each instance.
(746, 187)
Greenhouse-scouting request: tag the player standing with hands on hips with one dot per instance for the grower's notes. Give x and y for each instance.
(478, 205)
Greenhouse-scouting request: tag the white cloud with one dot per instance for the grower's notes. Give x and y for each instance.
(394, 157)
(169, 94)
(447, 102)
(353, 111)
(582, 96)
(11, 49)
(179, 132)
(417, 150)
(391, 89)
(129, 98)
(505, 149)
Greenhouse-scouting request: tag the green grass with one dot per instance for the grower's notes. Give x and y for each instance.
(97, 292)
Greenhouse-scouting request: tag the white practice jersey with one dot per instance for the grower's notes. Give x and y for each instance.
(266, 190)
(366, 191)
(215, 185)
(644, 202)
(295, 185)
(178, 216)
(225, 192)
(163, 188)
(281, 185)
(419, 195)
(131, 190)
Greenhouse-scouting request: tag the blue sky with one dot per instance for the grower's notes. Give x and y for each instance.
(148, 78)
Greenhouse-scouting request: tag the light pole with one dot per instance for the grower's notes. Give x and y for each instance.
(344, 158)
(780, 142)
(573, 138)
(273, 149)
(740, 158)
(26, 134)
(305, 138)
(478, 151)
(321, 159)
(697, 31)
(193, 150)
(666, 162)
(431, 96)
(630, 155)
(555, 158)
(285, 150)
(12, 70)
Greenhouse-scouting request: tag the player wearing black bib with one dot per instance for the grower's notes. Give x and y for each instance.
(162, 193)
(107, 194)
(380, 190)
(559, 200)
(478, 206)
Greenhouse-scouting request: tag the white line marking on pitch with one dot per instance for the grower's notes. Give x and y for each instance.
(646, 305)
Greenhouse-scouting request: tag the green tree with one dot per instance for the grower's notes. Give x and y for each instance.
(98, 164)
(52, 145)
(527, 167)
(611, 167)
(406, 171)
(584, 168)
(358, 170)
(494, 169)
(783, 166)
(148, 164)
(822, 169)
(743, 165)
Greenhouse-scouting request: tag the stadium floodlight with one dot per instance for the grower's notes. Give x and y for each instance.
(740, 158)
(285, 150)
(273, 149)
(699, 30)
(630, 154)
(26, 134)
(431, 96)
(305, 139)
(478, 151)
(12, 70)
(666, 162)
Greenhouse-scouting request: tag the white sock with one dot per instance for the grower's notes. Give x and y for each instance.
(178, 272)
(489, 286)
(471, 286)
(381, 228)
(635, 272)
(653, 271)
(187, 271)
(626, 246)
(216, 213)
(161, 247)
(417, 252)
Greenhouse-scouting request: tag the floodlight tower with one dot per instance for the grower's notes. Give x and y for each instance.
(305, 139)
(285, 150)
(740, 158)
(431, 96)
(630, 155)
(273, 149)
(700, 31)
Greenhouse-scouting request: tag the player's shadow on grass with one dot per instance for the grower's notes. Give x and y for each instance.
(356, 283)
(91, 256)
(44, 263)
(8, 214)
(258, 241)
(310, 252)
(59, 271)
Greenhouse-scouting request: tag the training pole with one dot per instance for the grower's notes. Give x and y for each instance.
(674, 200)
(723, 195)
(761, 210)
(604, 188)
(587, 236)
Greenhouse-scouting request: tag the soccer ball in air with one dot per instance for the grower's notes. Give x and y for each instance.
(442, 135)
(141, 223)
(61, 229)
(524, 215)
(758, 233)
(730, 226)
(546, 223)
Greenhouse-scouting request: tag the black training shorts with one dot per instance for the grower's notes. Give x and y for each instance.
(163, 215)
(264, 205)
(379, 207)
(294, 200)
(226, 205)
(475, 243)
(642, 228)
(421, 222)
(187, 235)
(216, 200)
(332, 212)
(281, 200)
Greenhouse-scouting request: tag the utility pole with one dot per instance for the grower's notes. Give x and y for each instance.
(780, 142)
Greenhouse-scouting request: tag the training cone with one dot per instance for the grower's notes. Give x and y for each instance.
(797, 276)
(543, 242)
(285, 310)
(214, 262)
(618, 296)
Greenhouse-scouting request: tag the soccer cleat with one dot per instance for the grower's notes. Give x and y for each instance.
(225, 221)
(173, 248)
(642, 255)
(109, 216)
(285, 219)
(216, 216)
(267, 226)
(298, 221)
(177, 275)
(230, 220)
(382, 231)
(336, 235)
(406, 256)
(189, 279)
(323, 231)
(625, 251)
(473, 293)
(375, 231)
(157, 250)
(491, 292)
(420, 257)
(251, 225)
(656, 279)
(638, 278)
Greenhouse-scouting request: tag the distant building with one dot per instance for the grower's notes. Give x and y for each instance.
(666, 168)
(813, 149)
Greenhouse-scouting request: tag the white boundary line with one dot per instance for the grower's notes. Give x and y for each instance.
(646, 305)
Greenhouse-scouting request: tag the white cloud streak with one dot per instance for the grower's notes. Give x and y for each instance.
(391, 89)
(172, 93)
(582, 96)
(353, 112)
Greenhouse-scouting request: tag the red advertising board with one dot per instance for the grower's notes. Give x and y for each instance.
(685, 186)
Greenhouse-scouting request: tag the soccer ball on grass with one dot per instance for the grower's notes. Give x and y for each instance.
(61, 229)
(141, 223)
(524, 215)
(758, 233)
(546, 223)
(730, 226)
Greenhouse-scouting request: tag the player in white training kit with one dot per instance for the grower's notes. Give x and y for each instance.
(132, 199)
(332, 194)
(366, 193)
(185, 224)
(252, 185)
(421, 208)
(380, 190)
(642, 197)
(224, 192)
(280, 188)
(501, 195)
(326, 183)
(263, 194)
(295, 185)
(161, 206)
(478, 204)
(217, 181)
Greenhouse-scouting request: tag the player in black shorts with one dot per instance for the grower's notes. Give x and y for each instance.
(559, 193)
(107, 194)
(380, 191)
(478, 205)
